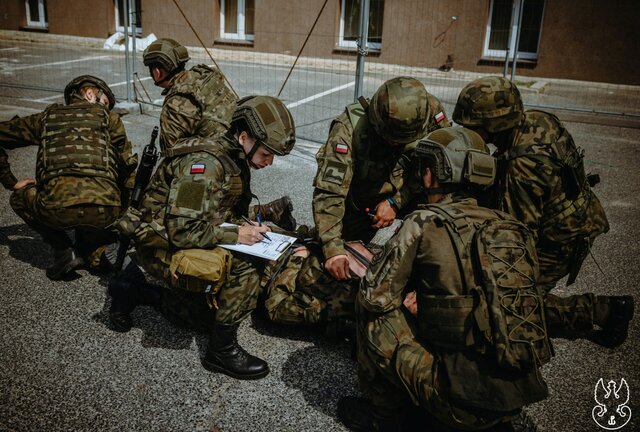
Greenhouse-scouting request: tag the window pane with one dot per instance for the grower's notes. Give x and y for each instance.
(500, 24)
(530, 30)
(46, 16)
(138, 13)
(376, 14)
(249, 12)
(34, 12)
(121, 11)
(352, 20)
(231, 16)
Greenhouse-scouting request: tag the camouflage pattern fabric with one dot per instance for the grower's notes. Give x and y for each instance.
(302, 293)
(357, 170)
(536, 190)
(88, 221)
(197, 103)
(204, 183)
(394, 366)
(88, 202)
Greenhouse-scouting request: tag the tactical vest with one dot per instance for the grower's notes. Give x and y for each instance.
(492, 336)
(576, 201)
(206, 88)
(76, 142)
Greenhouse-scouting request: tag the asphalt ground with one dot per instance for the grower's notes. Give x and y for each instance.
(63, 369)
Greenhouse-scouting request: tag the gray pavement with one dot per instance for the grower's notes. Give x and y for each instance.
(63, 369)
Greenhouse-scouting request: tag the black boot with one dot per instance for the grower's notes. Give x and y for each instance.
(615, 330)
(226, 356)
(128, 290)
(64, 261)
(279, 212)
(356, 413)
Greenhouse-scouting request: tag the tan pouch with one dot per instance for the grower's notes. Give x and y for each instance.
(201, 270)
(359, 258)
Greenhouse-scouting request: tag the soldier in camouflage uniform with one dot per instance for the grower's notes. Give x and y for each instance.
(199, 103)
(542, 182)
(84, 171)
(469, 355)
(201, 183)
(360, 187)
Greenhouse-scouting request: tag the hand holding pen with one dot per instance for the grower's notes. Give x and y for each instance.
(261, 230)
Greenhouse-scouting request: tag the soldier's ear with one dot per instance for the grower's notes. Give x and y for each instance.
(427, 178)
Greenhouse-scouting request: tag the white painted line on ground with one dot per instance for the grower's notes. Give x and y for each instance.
(10, 49)
(54, 63)
(50, 98)
(319, 95)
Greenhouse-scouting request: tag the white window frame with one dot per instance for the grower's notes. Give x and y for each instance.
(352, 44)
(41, 12)
(119, 25)
(240, 23)
(515, 12)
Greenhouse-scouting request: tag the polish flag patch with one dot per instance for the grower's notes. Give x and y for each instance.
(342, 148)
(439, 117)
(197, 169)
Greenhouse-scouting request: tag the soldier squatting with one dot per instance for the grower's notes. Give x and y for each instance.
(455, 314)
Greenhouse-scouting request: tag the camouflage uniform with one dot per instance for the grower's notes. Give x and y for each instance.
(398, 361)
(81, 187)
(200, 184)
(357, 170)
(197, 103)
(541, 181)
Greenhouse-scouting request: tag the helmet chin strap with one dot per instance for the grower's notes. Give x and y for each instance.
(252, 152)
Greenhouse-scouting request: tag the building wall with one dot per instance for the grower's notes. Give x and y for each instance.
(580, 39)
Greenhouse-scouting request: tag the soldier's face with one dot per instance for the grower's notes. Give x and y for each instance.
(261, 158)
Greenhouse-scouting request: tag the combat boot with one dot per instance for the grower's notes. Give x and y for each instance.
(279, 212)
(128, 290)
(616, 328)
(226, 356)
(357, 414)
(64, 261)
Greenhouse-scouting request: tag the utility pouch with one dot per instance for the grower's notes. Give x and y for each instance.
(201, 270)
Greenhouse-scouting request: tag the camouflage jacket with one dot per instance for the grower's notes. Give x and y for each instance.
(197, 103)
(356, 171)
(71, 190)
(538, 188)
(198, 186)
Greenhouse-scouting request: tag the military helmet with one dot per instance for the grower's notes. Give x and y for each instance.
(269, 122)
(492, 103)
(457, 156)
(167, 53)
(88, 81)
(399, 110)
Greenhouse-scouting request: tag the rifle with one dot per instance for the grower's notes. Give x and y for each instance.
(143, 175)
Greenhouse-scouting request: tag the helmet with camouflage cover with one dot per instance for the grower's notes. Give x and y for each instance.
(167, 53)
(88, 81)
(457, 156)
(399, 110)
(269, 122)
(492, 103)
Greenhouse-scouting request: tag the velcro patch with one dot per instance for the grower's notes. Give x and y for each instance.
(197, 169)
(440, 116)
(342, 148)
(334, 172)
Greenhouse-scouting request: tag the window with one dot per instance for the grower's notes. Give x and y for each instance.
(236, 19)
(502, 29)
(36, 13)
(121, 9)
(350, 23)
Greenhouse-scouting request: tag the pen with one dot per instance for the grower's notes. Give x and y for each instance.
(246, 219)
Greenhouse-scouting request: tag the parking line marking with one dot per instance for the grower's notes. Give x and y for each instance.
(49, 98)
(10, 49)
(319, 95)
(54, 63)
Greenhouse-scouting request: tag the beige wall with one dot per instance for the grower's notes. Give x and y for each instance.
(580, 39)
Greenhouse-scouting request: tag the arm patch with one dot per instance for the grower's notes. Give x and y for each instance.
(334, 172)
(190, 195)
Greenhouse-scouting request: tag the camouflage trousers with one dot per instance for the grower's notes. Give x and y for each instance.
(575, 313)
(397, 372)
(300, 292)
(236, 299)
(88, 221)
